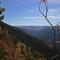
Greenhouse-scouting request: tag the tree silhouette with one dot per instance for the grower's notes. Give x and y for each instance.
(1, 15)
(1, 11)
(45, 15)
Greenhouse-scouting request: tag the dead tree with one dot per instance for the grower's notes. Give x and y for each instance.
(45, 15)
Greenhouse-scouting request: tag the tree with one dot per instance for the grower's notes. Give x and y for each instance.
(1, 15)
(45, 15)
(1, 11)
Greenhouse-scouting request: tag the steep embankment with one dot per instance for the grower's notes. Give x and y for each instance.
(19, 35)
(14, 34)
(6, 45)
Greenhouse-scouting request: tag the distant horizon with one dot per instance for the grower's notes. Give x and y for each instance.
(27, 25)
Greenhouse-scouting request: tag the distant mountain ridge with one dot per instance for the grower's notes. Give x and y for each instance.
(44, 33)
(33, 27)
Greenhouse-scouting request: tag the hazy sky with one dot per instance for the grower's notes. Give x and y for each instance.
(26, 12)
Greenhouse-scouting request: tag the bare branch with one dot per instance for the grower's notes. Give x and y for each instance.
(46, 18)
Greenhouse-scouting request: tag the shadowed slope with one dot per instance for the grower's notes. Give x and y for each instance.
(36, 44)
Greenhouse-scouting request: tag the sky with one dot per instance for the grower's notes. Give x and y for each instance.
(26, 12)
